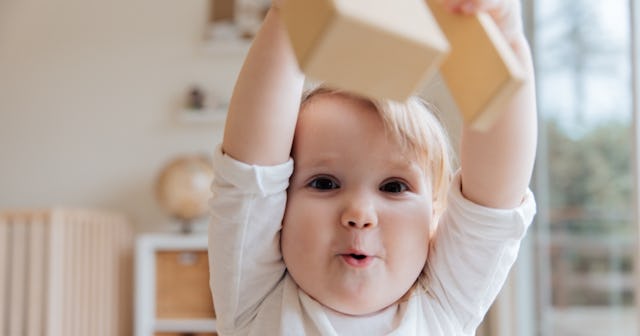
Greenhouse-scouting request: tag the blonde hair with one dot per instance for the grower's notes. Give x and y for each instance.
(414, 126)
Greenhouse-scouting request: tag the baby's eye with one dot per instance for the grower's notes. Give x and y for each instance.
(323, 183)
(394, 187)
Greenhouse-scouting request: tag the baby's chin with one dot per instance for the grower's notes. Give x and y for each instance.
(357, 307)
(351, 302)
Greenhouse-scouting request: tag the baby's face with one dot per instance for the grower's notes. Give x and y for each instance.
(356, 228)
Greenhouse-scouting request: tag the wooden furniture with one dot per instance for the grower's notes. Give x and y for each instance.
(65, 272)
(172, 286)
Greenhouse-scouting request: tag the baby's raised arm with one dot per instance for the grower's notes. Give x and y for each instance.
(479, 236)
(264, 106)
(249, 193)
(497, 164)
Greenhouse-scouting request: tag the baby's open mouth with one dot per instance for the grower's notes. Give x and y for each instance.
(357, 260)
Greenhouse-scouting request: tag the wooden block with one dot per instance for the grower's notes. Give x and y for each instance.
(377, 48)
(481, 71)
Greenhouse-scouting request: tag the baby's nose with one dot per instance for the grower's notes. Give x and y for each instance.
(359, 214)
(360, 224)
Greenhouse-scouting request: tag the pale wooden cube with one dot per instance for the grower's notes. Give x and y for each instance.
(482, 71)
(376, 48)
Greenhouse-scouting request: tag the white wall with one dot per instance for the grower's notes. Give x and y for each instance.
(88, 90)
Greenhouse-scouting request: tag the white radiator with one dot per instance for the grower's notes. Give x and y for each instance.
(65, 272)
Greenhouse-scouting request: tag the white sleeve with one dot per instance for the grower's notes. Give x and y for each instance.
(245, 262)
(472, 252)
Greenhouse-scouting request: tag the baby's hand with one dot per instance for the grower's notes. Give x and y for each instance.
(506, 14)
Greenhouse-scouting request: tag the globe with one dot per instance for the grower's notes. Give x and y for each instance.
(183, 188)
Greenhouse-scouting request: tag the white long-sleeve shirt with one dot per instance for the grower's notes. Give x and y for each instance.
(470, 257)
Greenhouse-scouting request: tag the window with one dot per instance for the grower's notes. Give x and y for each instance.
(584, 239)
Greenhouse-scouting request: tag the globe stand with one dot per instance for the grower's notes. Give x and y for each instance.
(186, 226)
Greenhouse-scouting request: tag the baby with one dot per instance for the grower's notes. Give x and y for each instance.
(335, 214)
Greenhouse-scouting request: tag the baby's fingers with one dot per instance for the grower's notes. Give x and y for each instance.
(474, 6)
(506, 13)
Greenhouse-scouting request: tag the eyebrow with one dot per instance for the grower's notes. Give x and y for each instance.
(406, 165)
(323, 160)
(402, 161)
(398, 162)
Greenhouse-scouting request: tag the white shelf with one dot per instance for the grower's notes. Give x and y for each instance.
(224, 38)
(151, 242)
(146, 324)
(184, 325)
(230, 47)
(208, 115)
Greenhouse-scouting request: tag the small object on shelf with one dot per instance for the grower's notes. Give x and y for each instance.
(183, 189)
(248, 16)
(232, 24)
(201, 107)
(196, 99)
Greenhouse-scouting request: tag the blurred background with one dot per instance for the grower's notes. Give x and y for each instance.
(90, 96)
(582, 251)
(97, 97)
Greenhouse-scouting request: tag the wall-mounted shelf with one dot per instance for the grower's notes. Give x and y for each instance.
(207, 115)
(232, 47)
(232, 24)
(185, 325)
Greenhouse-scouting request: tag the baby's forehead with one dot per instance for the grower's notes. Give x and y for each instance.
(398, 122)
(394, 159)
